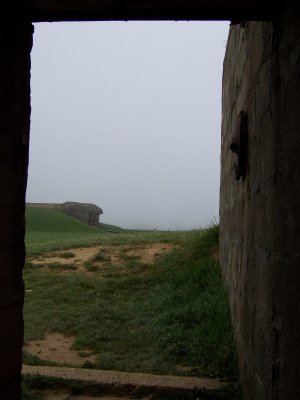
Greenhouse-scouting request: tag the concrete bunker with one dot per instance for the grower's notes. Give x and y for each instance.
(259, 224)
(85, 212)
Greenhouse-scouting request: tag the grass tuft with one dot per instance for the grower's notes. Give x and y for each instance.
(67, 254)
(101, 256)
(60, 266)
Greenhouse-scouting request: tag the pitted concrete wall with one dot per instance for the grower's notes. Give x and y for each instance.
(260, 214)
(15, 44)
(85, 212)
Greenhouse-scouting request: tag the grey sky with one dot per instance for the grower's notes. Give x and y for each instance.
(127, 115)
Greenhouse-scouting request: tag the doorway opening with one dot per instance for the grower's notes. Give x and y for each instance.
(132, 128)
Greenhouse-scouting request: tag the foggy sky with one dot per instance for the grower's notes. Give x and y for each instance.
(127, 115)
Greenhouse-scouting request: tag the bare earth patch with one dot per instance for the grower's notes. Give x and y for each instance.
(57, 348)
(149, 252)
(82, 254)
(145, 254)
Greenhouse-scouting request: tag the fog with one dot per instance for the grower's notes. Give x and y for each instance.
(127, 115)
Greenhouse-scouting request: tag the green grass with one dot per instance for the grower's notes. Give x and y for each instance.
(51, 230)
(67, 254)
(90, 266)
(48, 220)
(101, 256)
(60, 266)
(110, 228)
(170, 318)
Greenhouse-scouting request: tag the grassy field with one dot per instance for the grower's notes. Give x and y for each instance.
(167, 317)
(48, 230)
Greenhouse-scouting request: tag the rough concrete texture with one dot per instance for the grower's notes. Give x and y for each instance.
(15, 44)
(84, 212)
(125, 383)
(260, 214)
(99, 10)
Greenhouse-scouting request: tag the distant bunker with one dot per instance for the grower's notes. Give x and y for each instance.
(85, 212)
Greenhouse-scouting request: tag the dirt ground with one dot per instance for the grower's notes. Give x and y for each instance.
(145, 254)
(55, 346)
(58, 348)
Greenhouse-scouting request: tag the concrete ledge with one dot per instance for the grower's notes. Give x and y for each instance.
(125, 383)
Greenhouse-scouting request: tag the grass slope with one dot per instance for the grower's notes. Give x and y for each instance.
(110, 228)
(171, 317)
(47, 220)
(48, 230)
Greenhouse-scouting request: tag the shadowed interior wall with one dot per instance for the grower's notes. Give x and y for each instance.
(15, 44)
(260, 214)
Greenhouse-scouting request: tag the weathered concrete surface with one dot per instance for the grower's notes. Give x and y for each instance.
(15, 45)
(84, 212)
(70, 10)
(260, 214)
(125, 383)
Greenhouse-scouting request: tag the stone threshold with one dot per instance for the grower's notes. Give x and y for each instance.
(126, 383)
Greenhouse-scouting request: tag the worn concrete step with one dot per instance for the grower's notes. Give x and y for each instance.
(128, 384)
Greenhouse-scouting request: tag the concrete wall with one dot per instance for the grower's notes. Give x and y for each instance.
(99, 10)
(79, 213)
(84, 212)
(15, 44)
(260, 213)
